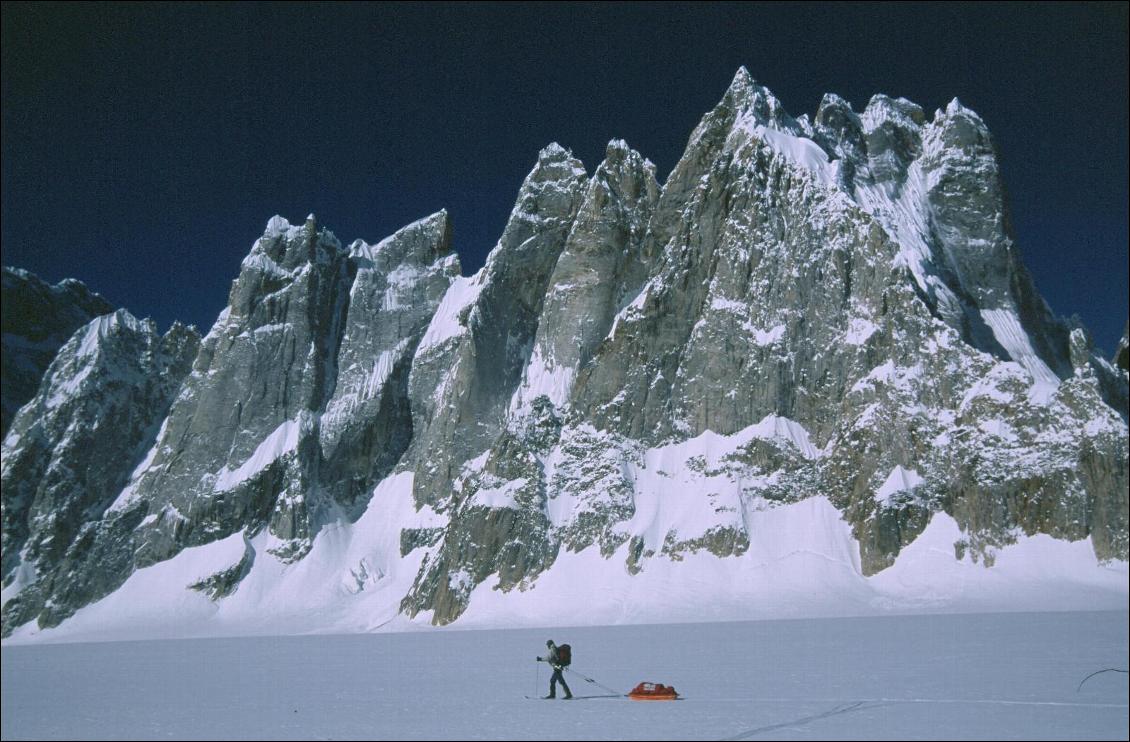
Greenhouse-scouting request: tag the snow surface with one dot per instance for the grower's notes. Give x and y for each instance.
(859, 331)
(500, 497)
(1008, 331)
(766, 337)
(801, 151)
(64, 388)
(683, 491)
(905, 217)
(542, 376)
(972, 676)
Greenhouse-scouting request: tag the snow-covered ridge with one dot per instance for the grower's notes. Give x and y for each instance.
(100, 328)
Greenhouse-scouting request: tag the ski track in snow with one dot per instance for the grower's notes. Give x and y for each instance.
(844, 709)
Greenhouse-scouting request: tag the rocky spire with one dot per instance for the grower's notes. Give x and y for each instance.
(602, 264)
(71, 450)
(461, 386)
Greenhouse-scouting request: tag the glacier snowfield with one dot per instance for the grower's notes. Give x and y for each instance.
(955, 676)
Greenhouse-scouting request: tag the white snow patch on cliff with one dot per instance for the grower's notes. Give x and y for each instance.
(281, 441)
(445, 323)
(899, 480)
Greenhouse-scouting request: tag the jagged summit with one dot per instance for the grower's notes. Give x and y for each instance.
(437, 224)
(618, 149)
(812, 346)
(741, 81)
(900, 112)
(956, 106)
(554, 151)
(832, 100)
(751, 102)
(555, 162)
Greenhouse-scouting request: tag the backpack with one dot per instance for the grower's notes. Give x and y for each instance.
(564, 655)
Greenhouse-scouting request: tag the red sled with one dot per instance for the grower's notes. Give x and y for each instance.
(653, 692)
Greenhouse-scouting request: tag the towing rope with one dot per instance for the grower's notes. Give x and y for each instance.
(590, 680)
(1098, 672)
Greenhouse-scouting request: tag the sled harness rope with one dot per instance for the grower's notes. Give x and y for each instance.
(587, 679)
(1098, 672)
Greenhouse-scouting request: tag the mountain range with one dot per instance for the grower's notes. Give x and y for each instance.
(814, 344)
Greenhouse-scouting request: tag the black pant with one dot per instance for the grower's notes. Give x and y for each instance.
(554, 680)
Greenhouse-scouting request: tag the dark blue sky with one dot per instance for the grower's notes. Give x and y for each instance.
(145, 146)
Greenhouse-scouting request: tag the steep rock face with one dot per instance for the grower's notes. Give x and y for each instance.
(597, 263)
(297, 401)
(983, 445)
(943, 203)
(36, 319)
(601, 267)
(750, 250)
(241, 442)
(71, 449)
(472, 357)
(367, 424)
(467, 370)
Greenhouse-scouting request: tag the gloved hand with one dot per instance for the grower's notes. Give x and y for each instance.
(540, 659)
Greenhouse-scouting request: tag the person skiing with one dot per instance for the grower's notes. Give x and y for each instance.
(557, 662)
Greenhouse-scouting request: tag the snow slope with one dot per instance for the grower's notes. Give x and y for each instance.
(802, 562)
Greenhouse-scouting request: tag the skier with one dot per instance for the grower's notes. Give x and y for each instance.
(557, 661)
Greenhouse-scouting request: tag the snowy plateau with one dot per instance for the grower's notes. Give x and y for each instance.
(989, 676)
(793, 432)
